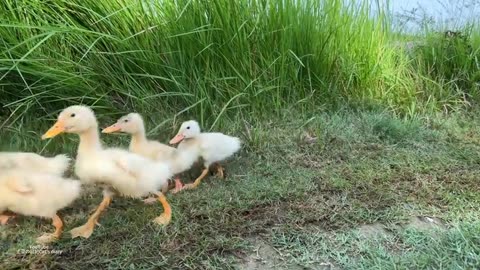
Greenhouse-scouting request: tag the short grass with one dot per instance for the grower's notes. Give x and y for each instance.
(302, 188)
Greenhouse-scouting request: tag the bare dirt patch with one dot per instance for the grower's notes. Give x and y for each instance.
(264, 257)
(373, 230)
(425, 223)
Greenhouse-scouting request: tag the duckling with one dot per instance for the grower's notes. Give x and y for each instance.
(213, 147)
(57, 165)
(40, 194)
(117, 170)
(179, 161)
(30, 161)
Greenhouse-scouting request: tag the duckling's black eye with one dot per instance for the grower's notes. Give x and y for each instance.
(188, 127)
(72, 115)
(126, 120)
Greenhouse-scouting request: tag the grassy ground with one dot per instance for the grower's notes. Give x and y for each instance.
(338, 191)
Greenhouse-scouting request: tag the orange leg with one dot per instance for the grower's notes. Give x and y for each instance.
(197, 181)
(166, 216)
(5, 218)
(220, 171)
(86, 230)
(50, 237)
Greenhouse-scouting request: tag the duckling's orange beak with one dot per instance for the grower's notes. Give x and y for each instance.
(111, 129)
(178, 138)
(57, 128)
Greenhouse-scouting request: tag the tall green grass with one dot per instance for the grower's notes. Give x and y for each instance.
(450, 65)
(208, 59)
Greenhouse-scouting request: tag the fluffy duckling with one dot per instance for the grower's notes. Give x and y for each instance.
(38, 194)
(57, 165)
(213, 147)
(34, 162)
(179, 161)
(129, 174)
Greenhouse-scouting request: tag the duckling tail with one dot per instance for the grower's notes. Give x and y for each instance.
(58, 165)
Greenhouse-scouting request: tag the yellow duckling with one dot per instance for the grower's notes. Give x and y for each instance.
(179, 161)
(38, 194)
(57, 165)
(129, 174)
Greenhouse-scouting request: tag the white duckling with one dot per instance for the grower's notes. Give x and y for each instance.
(37, 194)
(57, 165)
(129, 174)
(133, 125)
(213, 147)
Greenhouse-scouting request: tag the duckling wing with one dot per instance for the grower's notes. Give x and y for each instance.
(19, 185)
(125, 162)
(134, 175)
(124, 166)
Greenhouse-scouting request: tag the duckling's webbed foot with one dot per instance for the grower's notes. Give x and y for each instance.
(178, 185)
(5, 218)
(163, 219)
(51, 237)
(150, 200)
(166, 216)
(220, 171)
(86, 230)
(197, 181)
(46, 238)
